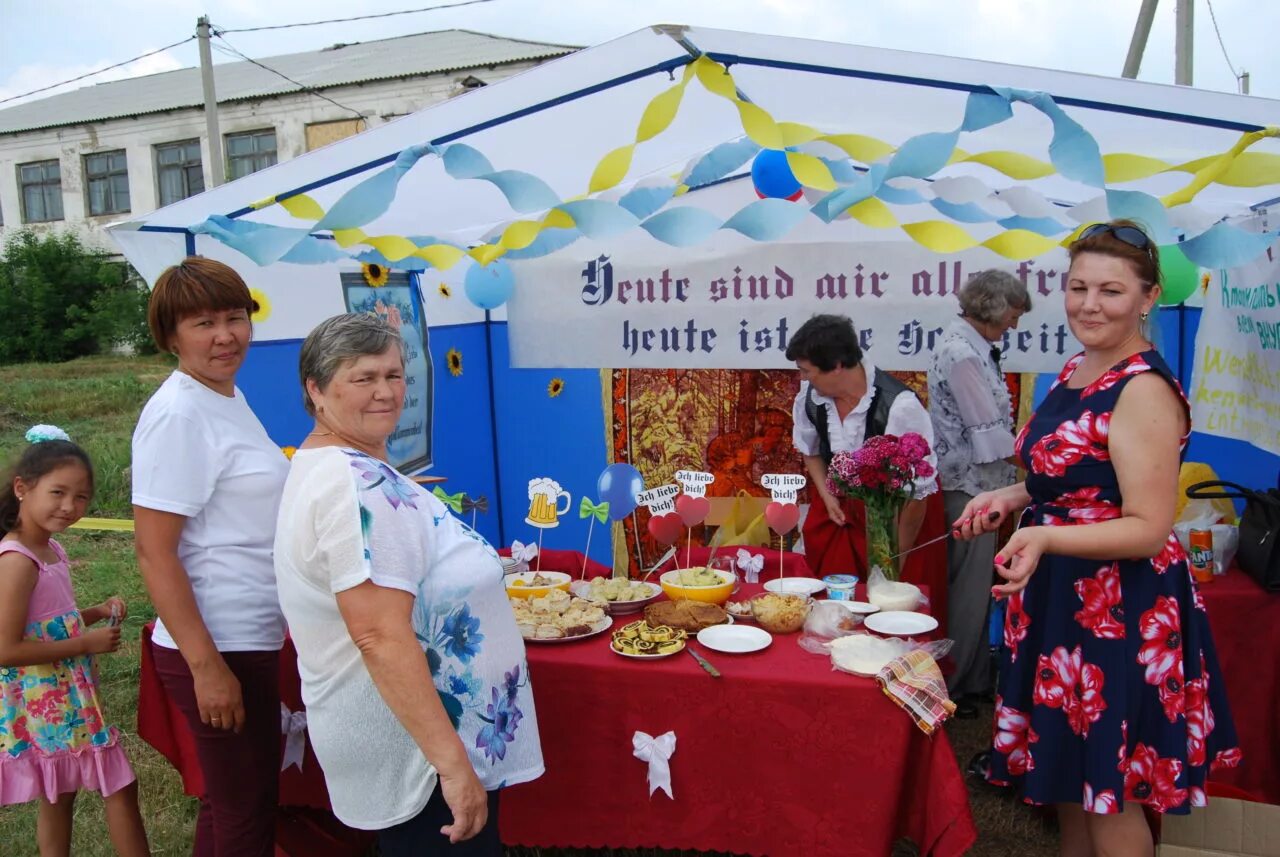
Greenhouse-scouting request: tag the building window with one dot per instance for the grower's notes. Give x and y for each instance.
(250, 152)
(179, 171)
(41, 185)
(106, 179)
(323, 133)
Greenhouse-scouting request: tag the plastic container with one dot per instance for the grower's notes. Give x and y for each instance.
(840, 586)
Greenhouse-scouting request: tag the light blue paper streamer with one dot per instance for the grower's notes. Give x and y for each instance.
(684, 226)
(1141, 208)
(645, 201)
(721, 161)
(1224, 246)
(767, 219)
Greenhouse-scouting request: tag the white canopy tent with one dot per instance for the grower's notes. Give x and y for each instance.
(1014, 182)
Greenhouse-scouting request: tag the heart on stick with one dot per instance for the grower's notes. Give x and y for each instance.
(665, 529)
(782, 517)
(692, 510)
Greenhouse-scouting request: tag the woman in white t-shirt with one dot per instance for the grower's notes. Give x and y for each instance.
(413, 670)
(206, 489)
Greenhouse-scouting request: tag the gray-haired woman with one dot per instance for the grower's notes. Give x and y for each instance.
(413, 670)
(973, 431)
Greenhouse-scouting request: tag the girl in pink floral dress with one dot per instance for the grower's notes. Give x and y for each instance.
(53, 738)
(1110, 698)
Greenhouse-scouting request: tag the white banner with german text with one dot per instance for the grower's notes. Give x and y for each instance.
(1235, 383)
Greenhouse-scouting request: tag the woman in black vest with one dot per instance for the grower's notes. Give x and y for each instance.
(843, 400)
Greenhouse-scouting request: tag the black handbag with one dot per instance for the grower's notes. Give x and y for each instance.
(1259, 551)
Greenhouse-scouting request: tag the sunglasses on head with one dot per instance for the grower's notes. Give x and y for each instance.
(1130, 235)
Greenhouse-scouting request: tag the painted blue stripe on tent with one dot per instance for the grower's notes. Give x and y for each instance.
(957, 86)
(665, 66)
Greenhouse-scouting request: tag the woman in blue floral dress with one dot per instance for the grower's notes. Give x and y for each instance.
(413, 670)
(1110, 698)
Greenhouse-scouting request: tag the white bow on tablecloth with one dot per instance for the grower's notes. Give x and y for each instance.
(523, 552)
(751, 563)
(293, 725)
(657, 752)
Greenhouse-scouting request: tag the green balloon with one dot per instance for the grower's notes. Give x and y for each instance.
(1181, 276)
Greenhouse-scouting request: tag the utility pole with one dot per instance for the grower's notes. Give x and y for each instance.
(1184, 34)
(1138, 44)
(210, 102)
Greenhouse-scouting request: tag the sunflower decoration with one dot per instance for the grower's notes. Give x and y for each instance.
(556, 387)
(453, 357)
(261, 305)
(288, 451)
(374, 274)
(444, 290)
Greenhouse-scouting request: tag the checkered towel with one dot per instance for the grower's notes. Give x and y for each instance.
(914, 682)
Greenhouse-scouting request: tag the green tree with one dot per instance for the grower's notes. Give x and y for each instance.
(60, 300)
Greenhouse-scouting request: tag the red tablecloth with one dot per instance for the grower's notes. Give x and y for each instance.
(791, 564)
(1245, 620)
(780, 756)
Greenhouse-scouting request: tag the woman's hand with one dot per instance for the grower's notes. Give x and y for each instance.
(1018, 559)
(467, 801)
(986, 512)
(218, 696)
(113, 610)
(834, 512)
(99, 641)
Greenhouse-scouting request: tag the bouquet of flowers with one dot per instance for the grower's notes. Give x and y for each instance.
(883, 474)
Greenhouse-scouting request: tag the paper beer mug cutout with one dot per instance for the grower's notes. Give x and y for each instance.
(545, 507)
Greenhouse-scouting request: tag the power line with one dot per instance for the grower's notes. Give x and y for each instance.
(230, 49)
(358, 17)
(99, 71)
(1221, 43)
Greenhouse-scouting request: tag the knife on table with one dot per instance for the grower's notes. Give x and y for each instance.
(992, 516)
(703, 662)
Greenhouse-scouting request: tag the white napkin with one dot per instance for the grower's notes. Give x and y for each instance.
(293, 725)
(657, 752)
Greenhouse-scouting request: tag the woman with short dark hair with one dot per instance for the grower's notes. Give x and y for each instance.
(206, 485)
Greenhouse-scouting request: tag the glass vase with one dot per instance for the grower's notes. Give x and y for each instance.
(882, 537)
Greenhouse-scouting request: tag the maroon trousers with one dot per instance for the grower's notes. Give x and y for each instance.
(241, 772)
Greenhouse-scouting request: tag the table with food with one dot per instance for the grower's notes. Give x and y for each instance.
(789, 717)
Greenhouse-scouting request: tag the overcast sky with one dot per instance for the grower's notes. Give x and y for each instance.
(46, 41)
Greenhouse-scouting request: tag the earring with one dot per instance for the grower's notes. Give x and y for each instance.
(1143, 316)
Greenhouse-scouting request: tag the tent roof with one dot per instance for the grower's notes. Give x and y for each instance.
(558, 120)
(337, 65)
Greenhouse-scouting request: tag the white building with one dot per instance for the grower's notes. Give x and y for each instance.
(82, 159)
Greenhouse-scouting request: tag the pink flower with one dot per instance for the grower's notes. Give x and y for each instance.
(1014, 737)
(1087, 706)
(1135, 366)
(1103, 803)
(1152, 780)
(1103, 610)
(1162, 649)
(1226, 759)
(1169, 555)
(1172, 692)
(1199, 716)
(1016, 622)
(1056, 678)
(1072, 442)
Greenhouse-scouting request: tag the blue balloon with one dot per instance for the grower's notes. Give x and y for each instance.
(489, 286)
(772, 176)
(618, 485)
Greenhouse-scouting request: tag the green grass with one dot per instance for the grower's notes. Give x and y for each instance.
(96, 400)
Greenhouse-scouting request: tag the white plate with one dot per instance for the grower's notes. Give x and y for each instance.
(683, 644)
(600, 627)
(735, 639)
(898, 623)
(861, 608)
(796, 585)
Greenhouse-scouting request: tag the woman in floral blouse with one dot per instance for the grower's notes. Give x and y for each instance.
(413, 671)
(973, 436)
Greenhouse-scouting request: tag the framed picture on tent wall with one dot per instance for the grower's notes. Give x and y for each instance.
(394, 296)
